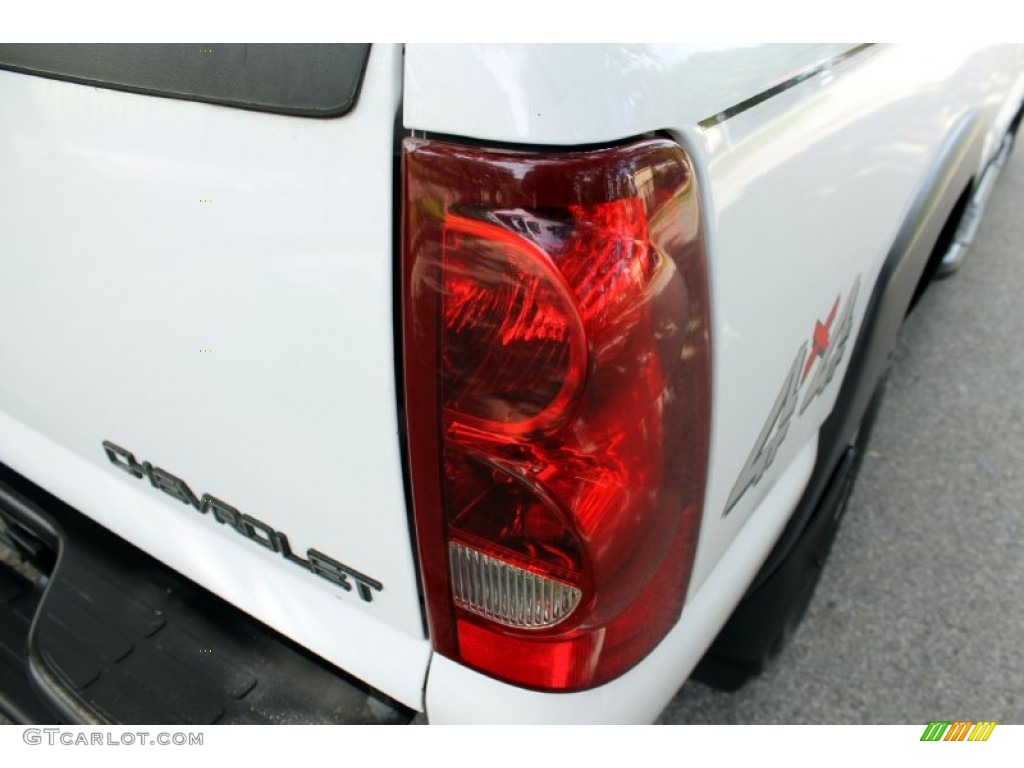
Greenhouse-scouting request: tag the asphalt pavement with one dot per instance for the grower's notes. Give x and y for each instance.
(919, 614)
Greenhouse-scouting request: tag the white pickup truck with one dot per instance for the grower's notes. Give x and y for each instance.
(449, 383)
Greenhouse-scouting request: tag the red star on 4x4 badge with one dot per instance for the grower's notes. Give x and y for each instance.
(819, 339)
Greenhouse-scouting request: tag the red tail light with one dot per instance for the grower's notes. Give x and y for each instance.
(557, 381)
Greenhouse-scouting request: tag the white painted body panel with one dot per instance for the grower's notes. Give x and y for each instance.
(113, 278)
(587, 94)
(287, 277)
(806, 192)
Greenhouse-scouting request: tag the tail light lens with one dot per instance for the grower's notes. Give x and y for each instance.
(557, 382)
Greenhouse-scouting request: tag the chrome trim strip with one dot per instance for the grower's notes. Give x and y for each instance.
(775, 90)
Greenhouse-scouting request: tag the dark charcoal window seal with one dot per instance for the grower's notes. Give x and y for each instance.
(306, 80)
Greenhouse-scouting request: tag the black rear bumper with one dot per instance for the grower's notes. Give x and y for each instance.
(92, 630)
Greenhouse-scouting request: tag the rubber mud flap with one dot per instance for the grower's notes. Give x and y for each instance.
(120, 638)
(769, 614)
(764, 621)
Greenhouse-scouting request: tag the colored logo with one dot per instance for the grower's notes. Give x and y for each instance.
(959, 730)
(820, 339)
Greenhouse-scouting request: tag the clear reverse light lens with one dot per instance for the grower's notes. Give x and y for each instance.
(506, 594)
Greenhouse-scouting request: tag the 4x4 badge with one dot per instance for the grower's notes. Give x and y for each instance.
(824, 347)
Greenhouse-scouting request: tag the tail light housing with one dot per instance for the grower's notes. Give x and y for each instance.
(557, 383)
